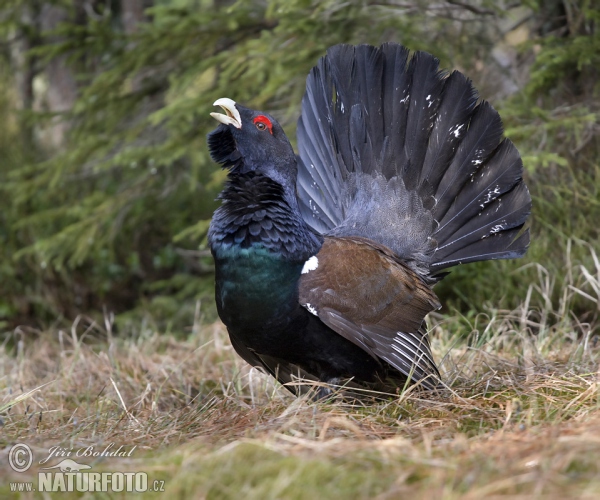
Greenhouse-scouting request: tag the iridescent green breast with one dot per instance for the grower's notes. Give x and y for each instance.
(254, 286)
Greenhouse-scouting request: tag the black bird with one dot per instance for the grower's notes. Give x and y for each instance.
(325, 261)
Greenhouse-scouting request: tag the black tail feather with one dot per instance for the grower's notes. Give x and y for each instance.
(483, 188)
(369, 74)
(395, 95)
(504, 245)
(424, 98)
(479, 142)
(458, 101)
(499, 219)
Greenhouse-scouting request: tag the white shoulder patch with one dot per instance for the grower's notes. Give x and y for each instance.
(310, 265)
(311, 309)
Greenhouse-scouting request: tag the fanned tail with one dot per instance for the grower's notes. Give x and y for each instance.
(397, 151)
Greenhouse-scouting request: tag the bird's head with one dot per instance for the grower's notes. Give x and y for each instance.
(248, 140)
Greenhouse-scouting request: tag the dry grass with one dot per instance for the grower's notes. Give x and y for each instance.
(520, 418)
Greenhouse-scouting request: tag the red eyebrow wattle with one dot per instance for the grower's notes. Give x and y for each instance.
(265, 120)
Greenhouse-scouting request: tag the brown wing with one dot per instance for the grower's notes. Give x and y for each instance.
(362, 291)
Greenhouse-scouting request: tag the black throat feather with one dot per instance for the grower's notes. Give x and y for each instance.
(222, 148)
(256, 213)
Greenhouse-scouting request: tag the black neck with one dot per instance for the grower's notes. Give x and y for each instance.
(259, 212)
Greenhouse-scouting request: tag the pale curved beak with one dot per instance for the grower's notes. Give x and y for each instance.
(231, 116)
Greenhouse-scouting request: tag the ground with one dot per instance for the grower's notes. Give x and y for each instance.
(519, 419)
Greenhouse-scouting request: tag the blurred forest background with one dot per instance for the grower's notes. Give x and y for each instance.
(106, 185)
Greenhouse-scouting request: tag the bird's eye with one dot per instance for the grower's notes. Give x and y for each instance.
(263, 123)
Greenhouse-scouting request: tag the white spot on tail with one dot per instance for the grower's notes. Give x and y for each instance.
(456, 130)
(311, 309)
(310, 265)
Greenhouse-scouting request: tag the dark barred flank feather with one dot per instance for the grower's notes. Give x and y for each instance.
(325, 260)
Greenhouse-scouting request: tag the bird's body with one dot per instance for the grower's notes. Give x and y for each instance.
(259, 261)
(325, 261)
